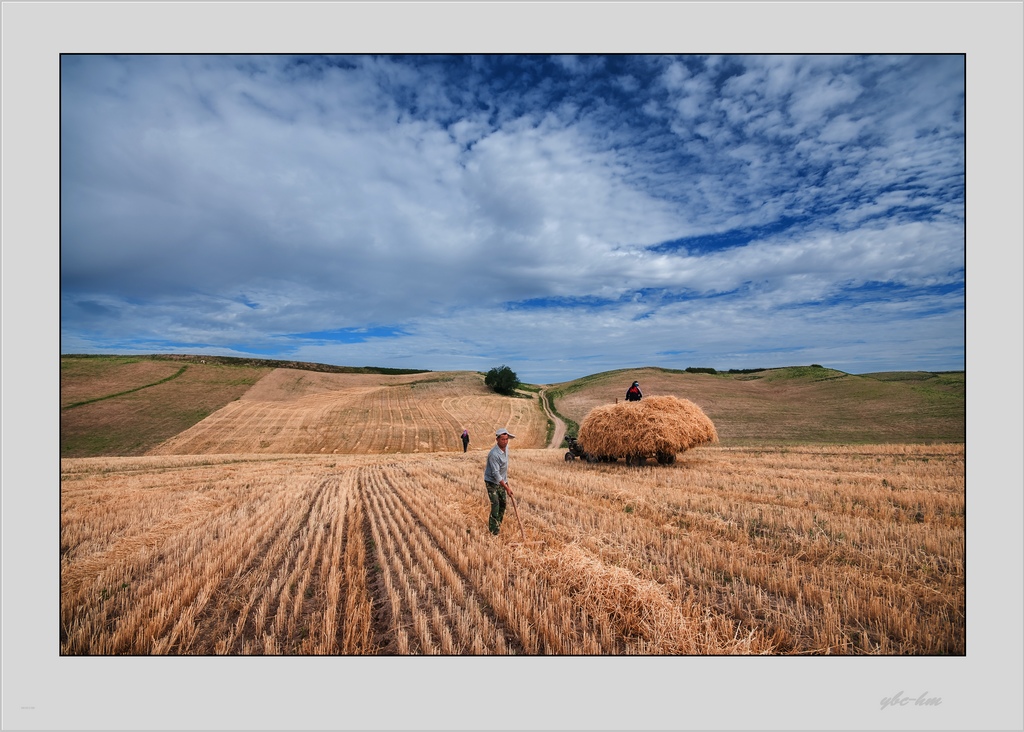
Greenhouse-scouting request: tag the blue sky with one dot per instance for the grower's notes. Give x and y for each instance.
(560, 215)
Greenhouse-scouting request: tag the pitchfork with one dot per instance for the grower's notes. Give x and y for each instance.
(515, 508)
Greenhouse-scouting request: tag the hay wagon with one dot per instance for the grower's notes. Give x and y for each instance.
(656, 428)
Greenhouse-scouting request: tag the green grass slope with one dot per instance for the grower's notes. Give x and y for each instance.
(795, 405)
(117, 405)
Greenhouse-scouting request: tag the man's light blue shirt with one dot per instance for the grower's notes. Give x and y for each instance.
(497, 466)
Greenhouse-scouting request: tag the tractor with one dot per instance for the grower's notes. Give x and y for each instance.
(575, 451)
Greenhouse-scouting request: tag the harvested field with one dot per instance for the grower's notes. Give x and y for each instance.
(807, 550)
(294, 411)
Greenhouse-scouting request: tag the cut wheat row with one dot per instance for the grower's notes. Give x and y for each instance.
(258, 565)
(406, 608)
(446, 618)
(165, 586)
(99, 585)
(538, 613)
(562, 625)
(354, 633)
(406, 502)
(309, 552)
(554, 595)
(387, 564)
(483, 568)
(294, 595)
(322, 633)
(296, 504)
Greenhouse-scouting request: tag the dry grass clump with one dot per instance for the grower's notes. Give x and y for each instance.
(656, 426)
(644, 618)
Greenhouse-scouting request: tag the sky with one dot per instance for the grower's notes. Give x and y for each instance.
(561, 215)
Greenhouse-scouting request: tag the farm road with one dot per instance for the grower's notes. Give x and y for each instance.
(559, 435)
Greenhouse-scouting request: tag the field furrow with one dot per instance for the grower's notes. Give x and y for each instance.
(350, 610)
(475, 631)
(520, 598)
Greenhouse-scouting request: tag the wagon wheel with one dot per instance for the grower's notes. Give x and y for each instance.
(592, 459)
(569, 457)
(666, 458)
(636, 460)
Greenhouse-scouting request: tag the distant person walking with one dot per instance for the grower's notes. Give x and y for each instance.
(633, 393)
(496, 479)
(465, 440)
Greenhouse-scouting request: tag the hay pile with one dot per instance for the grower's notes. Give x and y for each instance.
(657, 426)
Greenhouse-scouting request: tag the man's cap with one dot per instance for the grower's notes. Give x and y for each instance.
(503, 431)
(636, 383)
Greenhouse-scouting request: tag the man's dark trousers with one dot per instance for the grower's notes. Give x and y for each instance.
(497, 495)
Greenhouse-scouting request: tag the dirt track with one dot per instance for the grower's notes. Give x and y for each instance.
(559, 435)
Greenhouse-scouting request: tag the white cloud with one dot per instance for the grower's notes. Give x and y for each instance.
(234, 200)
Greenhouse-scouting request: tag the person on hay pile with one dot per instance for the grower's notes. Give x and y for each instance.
(465, 440)
(496, 479)
(633, 393)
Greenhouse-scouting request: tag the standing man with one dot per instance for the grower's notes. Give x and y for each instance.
(465, 440)
(633, 393)
(496, 479)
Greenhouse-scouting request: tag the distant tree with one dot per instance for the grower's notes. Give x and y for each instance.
(502, 379)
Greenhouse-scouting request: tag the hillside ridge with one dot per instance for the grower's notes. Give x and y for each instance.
(257, 363)
(129, 405)
(336, 369)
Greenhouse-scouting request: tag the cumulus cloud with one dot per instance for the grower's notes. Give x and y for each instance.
(566, 213)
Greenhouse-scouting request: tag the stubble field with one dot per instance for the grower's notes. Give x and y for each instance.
(293, 411)
(816, 549)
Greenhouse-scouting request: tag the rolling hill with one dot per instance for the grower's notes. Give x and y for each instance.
(795, 405)
(116, 405)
